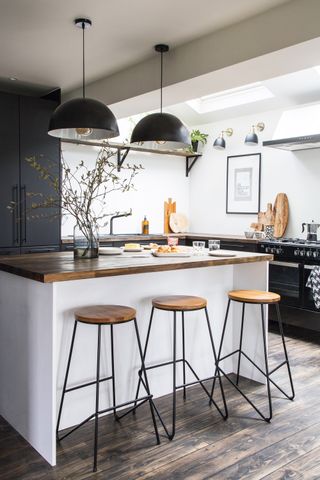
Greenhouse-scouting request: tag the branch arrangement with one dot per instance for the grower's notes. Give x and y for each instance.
(83, 192)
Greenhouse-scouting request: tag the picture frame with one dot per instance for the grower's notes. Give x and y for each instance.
(243, 183)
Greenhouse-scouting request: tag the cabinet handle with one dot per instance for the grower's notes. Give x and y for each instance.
(15, 226)
(23, 218)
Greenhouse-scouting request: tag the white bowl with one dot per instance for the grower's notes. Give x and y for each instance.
(259, 235)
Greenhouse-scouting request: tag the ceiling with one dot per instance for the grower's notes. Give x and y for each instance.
(42, 48)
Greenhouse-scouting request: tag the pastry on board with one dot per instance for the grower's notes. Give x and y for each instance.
(132, 246)
(167, 249)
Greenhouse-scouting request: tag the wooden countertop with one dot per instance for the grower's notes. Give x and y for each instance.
(152, 237)
(60, 266)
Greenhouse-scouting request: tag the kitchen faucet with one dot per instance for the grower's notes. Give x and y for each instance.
(126, 214)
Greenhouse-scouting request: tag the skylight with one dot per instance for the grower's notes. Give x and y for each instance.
(253, 92)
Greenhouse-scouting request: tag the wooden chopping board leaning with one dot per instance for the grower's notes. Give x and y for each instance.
(169, 207)
(281, 214)
(178, 223)
(277, 216)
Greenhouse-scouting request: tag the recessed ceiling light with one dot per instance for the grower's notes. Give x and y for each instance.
(253, 92)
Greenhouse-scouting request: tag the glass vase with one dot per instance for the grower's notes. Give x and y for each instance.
(86, 241)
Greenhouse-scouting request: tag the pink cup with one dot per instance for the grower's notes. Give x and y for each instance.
(173, 241)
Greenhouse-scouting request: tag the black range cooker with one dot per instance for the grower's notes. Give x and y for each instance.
(294, 259)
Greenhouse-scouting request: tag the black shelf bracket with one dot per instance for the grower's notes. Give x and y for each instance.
(190, 161)
(121, 157)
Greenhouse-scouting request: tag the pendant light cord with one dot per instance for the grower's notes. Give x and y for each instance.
(83, 63)
(161, 81)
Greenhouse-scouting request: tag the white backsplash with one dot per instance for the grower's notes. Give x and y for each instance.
(162, 177)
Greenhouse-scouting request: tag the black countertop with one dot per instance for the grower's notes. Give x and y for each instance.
(153, 237)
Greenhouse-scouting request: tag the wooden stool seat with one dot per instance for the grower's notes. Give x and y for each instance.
(105, 314)
(254, 296)
(179, 303)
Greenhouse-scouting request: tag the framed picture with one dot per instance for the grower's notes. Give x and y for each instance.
(243, 183)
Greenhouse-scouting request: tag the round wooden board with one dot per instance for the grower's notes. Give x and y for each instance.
(281, 214)
(178, 222)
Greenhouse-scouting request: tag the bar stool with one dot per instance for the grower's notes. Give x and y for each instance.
(181, 303)
(260, 298)
(100, 315)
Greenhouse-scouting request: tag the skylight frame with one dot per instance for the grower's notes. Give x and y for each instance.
(245, 94)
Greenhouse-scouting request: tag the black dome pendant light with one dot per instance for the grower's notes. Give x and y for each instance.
(83, 118)
(161, 130)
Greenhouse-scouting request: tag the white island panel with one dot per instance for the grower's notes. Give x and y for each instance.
(36, 328)
(27, 364)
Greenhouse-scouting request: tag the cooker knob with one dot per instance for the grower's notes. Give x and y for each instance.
(315, 254)
(296, 252)
(308, 253)
(302, 253)
(267, 249)
(279, 250)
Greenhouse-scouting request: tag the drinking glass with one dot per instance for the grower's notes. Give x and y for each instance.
(173, 241)
(214, 245)
(198, 247)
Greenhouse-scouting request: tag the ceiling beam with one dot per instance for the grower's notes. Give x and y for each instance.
(286, 25)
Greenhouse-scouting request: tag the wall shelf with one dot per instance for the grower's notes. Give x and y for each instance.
(124, 149)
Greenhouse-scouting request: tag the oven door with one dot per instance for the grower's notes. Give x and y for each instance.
(285, 279)
(308, 302)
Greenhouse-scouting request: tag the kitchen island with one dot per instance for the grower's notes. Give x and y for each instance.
(38, 294)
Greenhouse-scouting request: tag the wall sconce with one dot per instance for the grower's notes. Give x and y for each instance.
(220, 143)
(252, 137)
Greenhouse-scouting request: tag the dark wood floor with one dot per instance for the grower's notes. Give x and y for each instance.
(205, 447)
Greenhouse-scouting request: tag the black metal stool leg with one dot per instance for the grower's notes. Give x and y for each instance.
(220, 349)
(174, 382)
(96, 421)
(144, 354)
(174, 372)
(66, 376)
(240, 344)
(291, 397)
(183, 355)
(143, 369)
(265, 373)
(224, 416)
(113, 372)
(263, 324)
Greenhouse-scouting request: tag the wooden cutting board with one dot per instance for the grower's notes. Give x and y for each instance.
(178, 223)
(281, 214)
(169, 207)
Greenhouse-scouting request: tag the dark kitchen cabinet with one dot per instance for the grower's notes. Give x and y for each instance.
(40, 226)
(241, 246)
(24, 122)
(238, 245)
(9, 172)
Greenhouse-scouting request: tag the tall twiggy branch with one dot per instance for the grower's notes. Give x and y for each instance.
(83, 191)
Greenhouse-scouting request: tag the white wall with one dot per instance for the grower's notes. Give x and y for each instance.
(295, 173)
(202, 196)
(162, 177)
